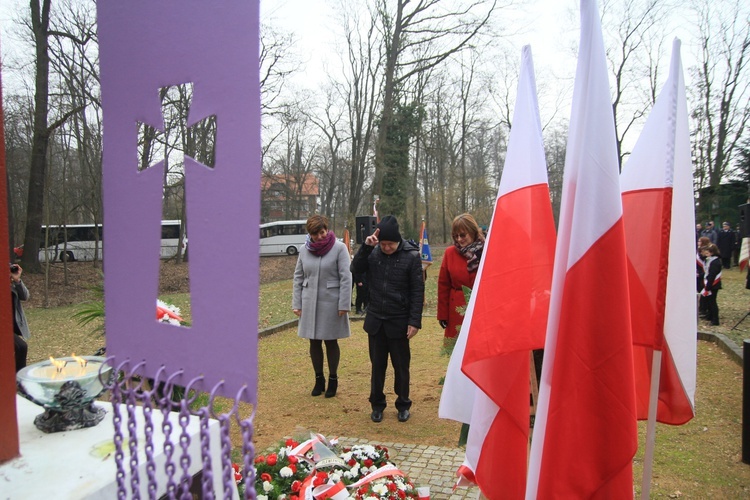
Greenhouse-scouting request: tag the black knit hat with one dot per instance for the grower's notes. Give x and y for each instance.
(389, 229)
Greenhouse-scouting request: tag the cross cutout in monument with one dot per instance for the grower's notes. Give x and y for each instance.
(165, 146)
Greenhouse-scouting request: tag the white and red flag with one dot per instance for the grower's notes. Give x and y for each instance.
(658, 210)
(586, 434)
(744, 253)
(500, 334)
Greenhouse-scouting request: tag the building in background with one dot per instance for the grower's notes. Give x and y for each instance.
(286, 197)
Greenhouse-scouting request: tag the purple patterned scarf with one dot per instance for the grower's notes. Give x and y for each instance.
(472, 253)
(322, 247)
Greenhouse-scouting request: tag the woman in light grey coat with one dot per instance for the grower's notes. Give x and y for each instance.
(322, 299)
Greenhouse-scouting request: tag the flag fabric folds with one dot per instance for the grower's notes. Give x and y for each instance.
(657, 197)
(424, 247)
(500, 334)
(744, 253)
(585, 434)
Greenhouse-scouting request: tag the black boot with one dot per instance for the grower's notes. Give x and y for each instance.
(333, 384)
(320, 385)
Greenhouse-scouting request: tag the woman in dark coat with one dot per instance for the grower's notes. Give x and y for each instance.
(322, 299)
(459, 269)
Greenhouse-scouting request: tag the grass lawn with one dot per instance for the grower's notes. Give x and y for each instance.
(700, 459)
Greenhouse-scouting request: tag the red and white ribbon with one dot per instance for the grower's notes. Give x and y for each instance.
(384, 471)
(332, 491)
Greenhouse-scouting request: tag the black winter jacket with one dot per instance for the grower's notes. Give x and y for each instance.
(395, 283)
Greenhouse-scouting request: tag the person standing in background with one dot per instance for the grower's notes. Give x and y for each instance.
(21, 333)
(710, 232)
(725, 241)
(458, 270)
(360, 282)
(322, 299)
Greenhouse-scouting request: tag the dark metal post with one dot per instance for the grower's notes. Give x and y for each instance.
(746, 401)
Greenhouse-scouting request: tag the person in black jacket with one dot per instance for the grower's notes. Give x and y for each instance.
(18, 293)
(725, 241)
(394, 312)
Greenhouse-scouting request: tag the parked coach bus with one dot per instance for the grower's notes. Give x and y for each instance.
(82, 241)
(286, 236)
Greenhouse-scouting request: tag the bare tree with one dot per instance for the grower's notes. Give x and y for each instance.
(722, 90)
(420, 35)
(360, 89)
(633, 54)
(40, 26)
(330, 126)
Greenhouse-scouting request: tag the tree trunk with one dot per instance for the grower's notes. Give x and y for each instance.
(40, 25)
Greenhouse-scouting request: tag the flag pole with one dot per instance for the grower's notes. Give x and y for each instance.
(648, 457)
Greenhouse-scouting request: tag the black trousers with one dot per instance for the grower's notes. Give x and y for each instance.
(712, 308)
(21, 349)
(380, 348)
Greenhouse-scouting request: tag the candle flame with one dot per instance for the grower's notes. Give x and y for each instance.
(59, 364)
(79, 359)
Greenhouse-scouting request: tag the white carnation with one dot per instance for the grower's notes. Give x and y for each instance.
(286, 472)
(380, 489)
(267, 487)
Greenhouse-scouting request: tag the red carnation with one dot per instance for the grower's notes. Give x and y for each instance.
(293, 459)
(271, 459)
(266, 477)
(368, 462)
(320, 478)
(291, 443)
(362, 491)
(260, 459)
(296, 485)
(401, 494)
(351, 462)
(293, 467)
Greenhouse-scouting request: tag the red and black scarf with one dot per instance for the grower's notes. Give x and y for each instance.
(321, 247)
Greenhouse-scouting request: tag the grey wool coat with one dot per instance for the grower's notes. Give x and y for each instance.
(322, 288)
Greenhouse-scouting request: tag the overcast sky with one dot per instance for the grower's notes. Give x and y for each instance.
(549, 26)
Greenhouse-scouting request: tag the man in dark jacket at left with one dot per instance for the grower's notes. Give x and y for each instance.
(394, 312)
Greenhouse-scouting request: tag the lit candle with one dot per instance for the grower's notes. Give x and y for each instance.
(42, 381)
(68, 371)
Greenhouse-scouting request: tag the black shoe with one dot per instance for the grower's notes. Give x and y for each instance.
(333, 385)
(376, 416)
(320, 385)
(403, 415)
(359, 311)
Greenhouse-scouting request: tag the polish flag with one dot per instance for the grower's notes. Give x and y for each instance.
(586, 433)
(744, 253)
(658, 210)
(500, 334)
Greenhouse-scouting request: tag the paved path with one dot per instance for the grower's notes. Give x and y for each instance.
(431, 466)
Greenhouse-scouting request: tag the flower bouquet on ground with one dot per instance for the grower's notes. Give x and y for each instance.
(169, 313)
(330, 471)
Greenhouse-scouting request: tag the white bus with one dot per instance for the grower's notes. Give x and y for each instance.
(82, 241)
(285, 236)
